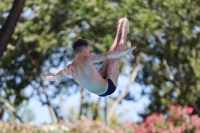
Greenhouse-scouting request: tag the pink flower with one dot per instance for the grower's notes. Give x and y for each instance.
(189, 127)
(172, 107)
(197, 124)
(189, 109)
(194, 117)
(157, 123)
(161, 116)
(198, 131)
(183, 127)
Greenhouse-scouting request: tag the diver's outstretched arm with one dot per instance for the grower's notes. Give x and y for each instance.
(109, 55)
(59, 75)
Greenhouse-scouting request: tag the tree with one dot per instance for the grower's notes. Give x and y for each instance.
(1, 111)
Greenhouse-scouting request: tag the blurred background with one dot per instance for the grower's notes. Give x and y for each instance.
(36, 38)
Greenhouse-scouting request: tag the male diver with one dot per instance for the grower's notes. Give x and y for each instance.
(102, 82)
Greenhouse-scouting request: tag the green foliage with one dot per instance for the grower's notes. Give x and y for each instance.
(165, 32)
(171, 57)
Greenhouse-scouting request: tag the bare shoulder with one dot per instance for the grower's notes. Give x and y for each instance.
(67, 70)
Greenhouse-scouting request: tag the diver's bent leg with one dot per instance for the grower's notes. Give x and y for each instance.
(113, 70)
(104, 66)
(114, 64)
(122, 42)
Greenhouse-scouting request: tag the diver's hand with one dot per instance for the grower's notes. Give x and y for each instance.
(51, 78)
(129, 51)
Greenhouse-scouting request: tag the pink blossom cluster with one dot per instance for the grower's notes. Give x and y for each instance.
(178, 120)
(176, 111)
(19, 128)
(87, 126)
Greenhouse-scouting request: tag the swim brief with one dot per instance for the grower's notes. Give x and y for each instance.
(111, 88)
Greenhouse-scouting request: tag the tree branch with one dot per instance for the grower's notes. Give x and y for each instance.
(82, 102)
(96, 108)
(13, 110)
(170, 76)
(51, 110)
(1, 111)
(38, 93)
(9, 26)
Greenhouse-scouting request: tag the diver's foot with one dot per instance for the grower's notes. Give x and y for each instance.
(119, 25)
(126, 25)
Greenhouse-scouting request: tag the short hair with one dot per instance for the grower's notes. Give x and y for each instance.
(79, 44)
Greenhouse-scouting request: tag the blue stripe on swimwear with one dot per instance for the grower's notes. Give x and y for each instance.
(111, 88)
